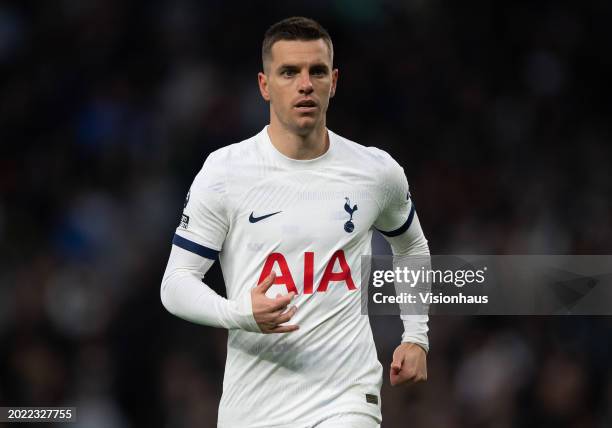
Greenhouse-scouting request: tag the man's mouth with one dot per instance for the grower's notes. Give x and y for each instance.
(306, 106)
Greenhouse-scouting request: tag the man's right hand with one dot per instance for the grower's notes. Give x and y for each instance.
(270, 313)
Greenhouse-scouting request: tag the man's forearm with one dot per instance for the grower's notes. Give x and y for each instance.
(410, 250)
(185, 295)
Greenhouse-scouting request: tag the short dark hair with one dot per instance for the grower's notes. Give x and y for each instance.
(294, 28)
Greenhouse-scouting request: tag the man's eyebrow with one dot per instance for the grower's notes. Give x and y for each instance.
(319, 66)
(290, 67)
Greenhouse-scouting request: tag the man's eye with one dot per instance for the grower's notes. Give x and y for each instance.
(318, 72)
(288, 73)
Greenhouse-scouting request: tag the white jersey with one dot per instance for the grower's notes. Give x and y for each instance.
(310, 221)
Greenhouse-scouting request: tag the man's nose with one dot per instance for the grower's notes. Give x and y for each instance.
(305, 84)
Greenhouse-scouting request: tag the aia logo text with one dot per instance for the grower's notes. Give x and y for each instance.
(285, 277)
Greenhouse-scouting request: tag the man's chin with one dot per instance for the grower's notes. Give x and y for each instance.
(305, 125)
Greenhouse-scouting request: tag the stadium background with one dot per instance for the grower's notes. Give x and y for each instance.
(498, 111)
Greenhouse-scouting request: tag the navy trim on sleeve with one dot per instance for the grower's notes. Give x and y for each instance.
(404, 227)
(198, 249)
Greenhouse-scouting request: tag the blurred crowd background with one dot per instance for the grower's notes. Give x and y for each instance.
(498, 111)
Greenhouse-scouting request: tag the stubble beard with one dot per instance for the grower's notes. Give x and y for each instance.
(299, 126)
(293, 122)
(303, 127)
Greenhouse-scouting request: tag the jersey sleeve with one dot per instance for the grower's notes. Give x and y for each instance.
(399, 224)
(204, 222)
(397, 211)
(184, 294)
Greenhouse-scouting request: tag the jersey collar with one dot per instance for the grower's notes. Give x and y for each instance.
(264, 138)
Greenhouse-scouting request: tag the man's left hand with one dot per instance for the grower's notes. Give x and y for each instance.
(409, 364)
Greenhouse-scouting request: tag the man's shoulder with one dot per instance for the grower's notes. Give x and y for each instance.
(233, 152)
(371, 156)
(225, 163)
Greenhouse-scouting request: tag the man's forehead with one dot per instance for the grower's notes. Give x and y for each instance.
(300, 51)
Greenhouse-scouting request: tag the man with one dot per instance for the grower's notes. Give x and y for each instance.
(288, 213)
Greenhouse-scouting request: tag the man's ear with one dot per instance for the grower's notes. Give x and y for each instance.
(334, 82)
(262, 79)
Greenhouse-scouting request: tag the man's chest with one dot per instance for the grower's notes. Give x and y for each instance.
(298, 210)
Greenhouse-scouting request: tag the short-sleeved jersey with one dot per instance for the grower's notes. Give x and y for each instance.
(310, 221)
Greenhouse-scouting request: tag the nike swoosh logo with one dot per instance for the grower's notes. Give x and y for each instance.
(254, 219)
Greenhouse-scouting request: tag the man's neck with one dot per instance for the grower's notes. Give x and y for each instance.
(299, 147)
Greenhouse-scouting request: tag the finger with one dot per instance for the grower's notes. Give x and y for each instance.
(398, 378)
(408, 373)
(397, 362)
(282, 302)
(265, 285)
(267, 326)
(405, 374)
(396, 367)
(283, 318)
(409, 379)
(284, 329)
(275, 319)
(395, 371)
(395, 378)
(271, 317)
